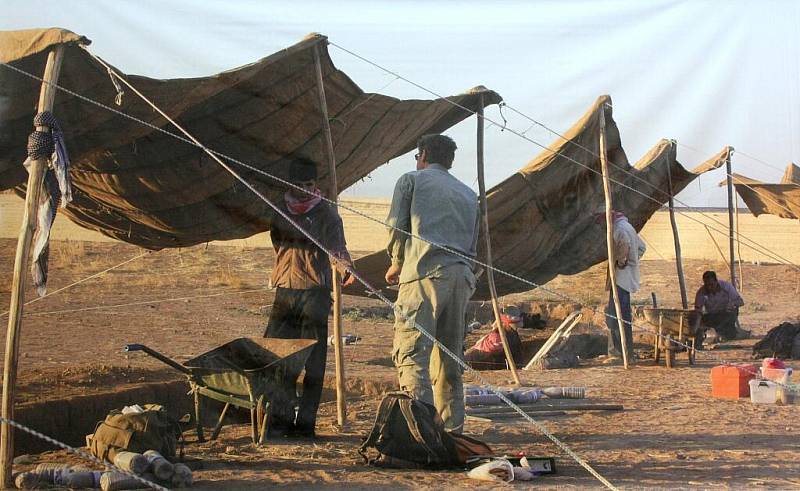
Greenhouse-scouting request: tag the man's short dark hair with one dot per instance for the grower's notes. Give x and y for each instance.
(302, 170)
(439, 149)
(709, 275)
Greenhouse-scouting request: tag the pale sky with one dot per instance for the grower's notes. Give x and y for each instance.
(706, 73)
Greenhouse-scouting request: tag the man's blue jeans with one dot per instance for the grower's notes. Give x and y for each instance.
(614, 343)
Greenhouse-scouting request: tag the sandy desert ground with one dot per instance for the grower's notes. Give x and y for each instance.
(672, 434)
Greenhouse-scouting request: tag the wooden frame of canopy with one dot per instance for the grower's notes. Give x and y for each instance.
(35, 182)
(46, 99)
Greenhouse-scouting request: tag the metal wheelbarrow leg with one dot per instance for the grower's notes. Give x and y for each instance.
(245, 373)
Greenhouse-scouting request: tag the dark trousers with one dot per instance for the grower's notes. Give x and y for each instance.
(302, 314)
(614, 342)
(724, 323)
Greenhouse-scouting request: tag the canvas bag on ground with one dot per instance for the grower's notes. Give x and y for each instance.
(152, 429)
(409, 433)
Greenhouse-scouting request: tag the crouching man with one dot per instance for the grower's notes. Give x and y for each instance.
(303, 281)
(719, 303)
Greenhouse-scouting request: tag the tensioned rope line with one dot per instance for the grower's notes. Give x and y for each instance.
(502, 397)
(216, 154)
(451, 251)
(765, 163)
(338, 118)
(255, 169)
(738, 180)
(156, 128)
(95, 275)
(757, 246)
(369, 287)
(148, 302)
(336, 259)
(543, 429)
(388, 302)
(81, 453)
(642, 180)
(516, 133)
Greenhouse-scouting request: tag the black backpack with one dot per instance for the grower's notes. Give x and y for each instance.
(409, 433)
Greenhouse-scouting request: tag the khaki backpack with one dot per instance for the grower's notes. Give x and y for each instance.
(152, 429)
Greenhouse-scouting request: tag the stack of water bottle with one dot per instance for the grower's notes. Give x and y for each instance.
(150, 466)
(481, 396)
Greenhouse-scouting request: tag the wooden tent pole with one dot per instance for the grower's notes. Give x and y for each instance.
(677, 239)
(739, 248)
(35, 180)
(485, 225)
(729, 180)
(333, 194)
(610, 236)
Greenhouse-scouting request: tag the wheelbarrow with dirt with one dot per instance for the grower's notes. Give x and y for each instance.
(681, 325)
(249, 373)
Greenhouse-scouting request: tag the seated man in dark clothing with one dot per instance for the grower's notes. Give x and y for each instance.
(719, 303)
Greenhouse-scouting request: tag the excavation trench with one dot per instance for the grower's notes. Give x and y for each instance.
(70, 419)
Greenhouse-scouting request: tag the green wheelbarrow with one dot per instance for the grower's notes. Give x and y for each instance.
(249, 373)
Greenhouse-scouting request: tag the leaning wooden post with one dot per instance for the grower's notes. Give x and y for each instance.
(485, 225)
(35, 179)
(610, 236)
(676, 238)
(739, 249)
(729, 180)
(341, 403)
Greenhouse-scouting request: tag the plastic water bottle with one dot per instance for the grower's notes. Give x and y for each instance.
(483, 400)
(574, 392)
(182, 477)
(526, 396)
(47, 475)
(161, 467)
(132, 462)
(475, 390)
(83, 479)
(117, 481)
(565, 392)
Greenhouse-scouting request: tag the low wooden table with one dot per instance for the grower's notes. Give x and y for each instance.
(681, 325)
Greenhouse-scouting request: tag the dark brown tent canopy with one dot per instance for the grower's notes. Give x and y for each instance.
(141, 186)
(782, 199)
(541, 217)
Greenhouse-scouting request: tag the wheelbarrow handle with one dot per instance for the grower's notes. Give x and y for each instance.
(155, 354)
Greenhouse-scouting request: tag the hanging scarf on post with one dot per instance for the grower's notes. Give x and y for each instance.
(57, 190)
(302, 206)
